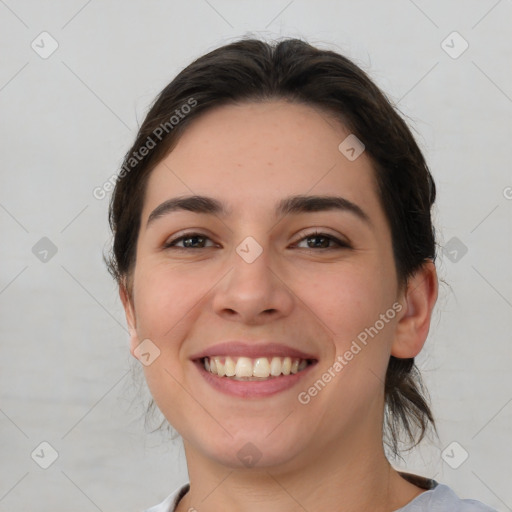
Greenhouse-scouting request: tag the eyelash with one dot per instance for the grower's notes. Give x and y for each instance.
(316, 234)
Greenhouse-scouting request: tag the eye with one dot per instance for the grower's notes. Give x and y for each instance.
(190, 241)
(198, 241)
(323, 241)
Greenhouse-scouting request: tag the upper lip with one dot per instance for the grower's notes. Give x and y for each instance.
(252, 350)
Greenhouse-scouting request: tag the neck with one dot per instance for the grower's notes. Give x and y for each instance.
(341, 478)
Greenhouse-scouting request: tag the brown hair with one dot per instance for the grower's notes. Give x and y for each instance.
(293, 70)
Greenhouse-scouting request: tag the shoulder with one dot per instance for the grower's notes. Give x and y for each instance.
(169, 504)
(442, 498)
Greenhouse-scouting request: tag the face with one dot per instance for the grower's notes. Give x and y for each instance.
(314, 282)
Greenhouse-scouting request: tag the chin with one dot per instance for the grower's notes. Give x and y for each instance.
(255, 450)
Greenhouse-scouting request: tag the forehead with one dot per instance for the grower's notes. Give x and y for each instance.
(253, 154)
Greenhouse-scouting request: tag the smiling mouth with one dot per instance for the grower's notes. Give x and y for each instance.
(254, 369)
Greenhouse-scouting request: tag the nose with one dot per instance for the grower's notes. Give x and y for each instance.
(253, 292)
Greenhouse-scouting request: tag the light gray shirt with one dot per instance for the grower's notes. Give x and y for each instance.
(439, 498)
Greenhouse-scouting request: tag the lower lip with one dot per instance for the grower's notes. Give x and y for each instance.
(252, 389)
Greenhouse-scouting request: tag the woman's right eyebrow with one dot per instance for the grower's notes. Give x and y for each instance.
(288, 206)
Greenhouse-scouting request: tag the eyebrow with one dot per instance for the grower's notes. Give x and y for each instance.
(287, 206)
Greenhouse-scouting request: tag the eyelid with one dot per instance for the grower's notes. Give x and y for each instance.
(321, 230)
(341, 242)
(178, 237)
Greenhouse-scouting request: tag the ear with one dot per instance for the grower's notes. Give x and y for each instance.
(129, 311)
(418, 300)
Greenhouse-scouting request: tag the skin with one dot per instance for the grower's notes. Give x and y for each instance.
(327, 454)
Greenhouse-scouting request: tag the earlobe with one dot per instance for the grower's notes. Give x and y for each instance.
(130, 316)
(419, 298)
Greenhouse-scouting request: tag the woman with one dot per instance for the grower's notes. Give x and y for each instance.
(275, 254)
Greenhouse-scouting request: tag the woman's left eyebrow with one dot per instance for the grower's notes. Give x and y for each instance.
(291, 205)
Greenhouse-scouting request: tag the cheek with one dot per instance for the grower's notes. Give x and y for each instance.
(163, 297)
(347, 298)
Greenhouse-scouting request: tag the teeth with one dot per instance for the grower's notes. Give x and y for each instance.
(275, 366)
(218, 365)
(287, 366)
(229, 366)
(245, 368)
(261, 367)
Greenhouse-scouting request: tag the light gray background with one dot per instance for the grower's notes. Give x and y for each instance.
(67, 121)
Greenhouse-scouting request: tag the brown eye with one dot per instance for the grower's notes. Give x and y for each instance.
(190, 241)
(323, 241)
